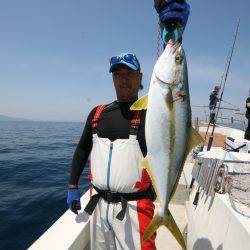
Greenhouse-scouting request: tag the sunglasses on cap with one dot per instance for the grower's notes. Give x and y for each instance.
(128, 59)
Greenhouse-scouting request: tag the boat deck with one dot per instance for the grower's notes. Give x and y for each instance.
(218, 141)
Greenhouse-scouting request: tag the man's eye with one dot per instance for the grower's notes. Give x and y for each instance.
(117, 74)
(127, 74)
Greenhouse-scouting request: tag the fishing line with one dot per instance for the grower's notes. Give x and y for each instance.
(231, 104)
(158, 40)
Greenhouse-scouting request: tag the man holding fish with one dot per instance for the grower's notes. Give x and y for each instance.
(120, 140)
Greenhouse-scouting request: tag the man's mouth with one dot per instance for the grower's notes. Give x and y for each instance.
(125, 86)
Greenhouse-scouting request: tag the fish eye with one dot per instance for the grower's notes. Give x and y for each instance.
(178, 58)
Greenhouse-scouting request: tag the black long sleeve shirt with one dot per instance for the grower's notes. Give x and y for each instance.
(114, 123)
(248, 109)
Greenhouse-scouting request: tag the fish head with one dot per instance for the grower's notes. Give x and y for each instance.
(171, 66)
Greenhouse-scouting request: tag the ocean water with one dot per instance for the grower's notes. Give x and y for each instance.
(35, 162)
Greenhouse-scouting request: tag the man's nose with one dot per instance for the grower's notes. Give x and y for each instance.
(125, 78)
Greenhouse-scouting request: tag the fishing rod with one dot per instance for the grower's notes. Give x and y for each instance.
(210, 142)
(224, 79)
(213, 120)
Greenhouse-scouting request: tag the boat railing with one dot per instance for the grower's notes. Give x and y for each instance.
(233, 118)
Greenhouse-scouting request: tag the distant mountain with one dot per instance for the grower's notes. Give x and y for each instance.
(4, 118)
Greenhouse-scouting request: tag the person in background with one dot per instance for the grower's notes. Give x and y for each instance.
(213, 99)
(247, 133)
(122, 197)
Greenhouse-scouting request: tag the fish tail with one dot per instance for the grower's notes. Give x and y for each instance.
(152, 227)
(174, 229)
(170, 223)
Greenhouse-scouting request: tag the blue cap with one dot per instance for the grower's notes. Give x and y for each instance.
(127, 59)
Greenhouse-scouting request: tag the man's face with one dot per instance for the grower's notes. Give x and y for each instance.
(217, 90)
(127, 82)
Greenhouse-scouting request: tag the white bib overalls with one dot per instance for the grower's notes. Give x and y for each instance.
(115, 167)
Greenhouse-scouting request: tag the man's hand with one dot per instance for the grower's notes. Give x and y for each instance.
(172, 12)
(73, 200)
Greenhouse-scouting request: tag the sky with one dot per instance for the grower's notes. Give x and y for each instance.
(54, 55)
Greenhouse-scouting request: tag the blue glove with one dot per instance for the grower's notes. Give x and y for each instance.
(172, 12)
(73, 200)
(173, 15)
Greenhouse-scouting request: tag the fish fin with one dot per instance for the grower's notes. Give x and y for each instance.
(140, 104)
(194, 140)
(144, 164)
(174, 229)
(177, 179)
(170, 223)
(155, 223)
(169, 100)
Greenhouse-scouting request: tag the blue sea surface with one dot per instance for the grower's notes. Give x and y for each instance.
(35, 163)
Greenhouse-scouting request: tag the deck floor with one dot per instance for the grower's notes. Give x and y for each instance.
(218, 141)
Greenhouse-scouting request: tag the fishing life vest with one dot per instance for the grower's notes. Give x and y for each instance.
(115, 164)
(115, 172)
(213, 99)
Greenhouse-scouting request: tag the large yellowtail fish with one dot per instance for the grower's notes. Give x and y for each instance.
(168, 131)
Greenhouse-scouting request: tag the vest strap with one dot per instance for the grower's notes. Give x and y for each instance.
(96, 119)
(116, 197)
(135, 123)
